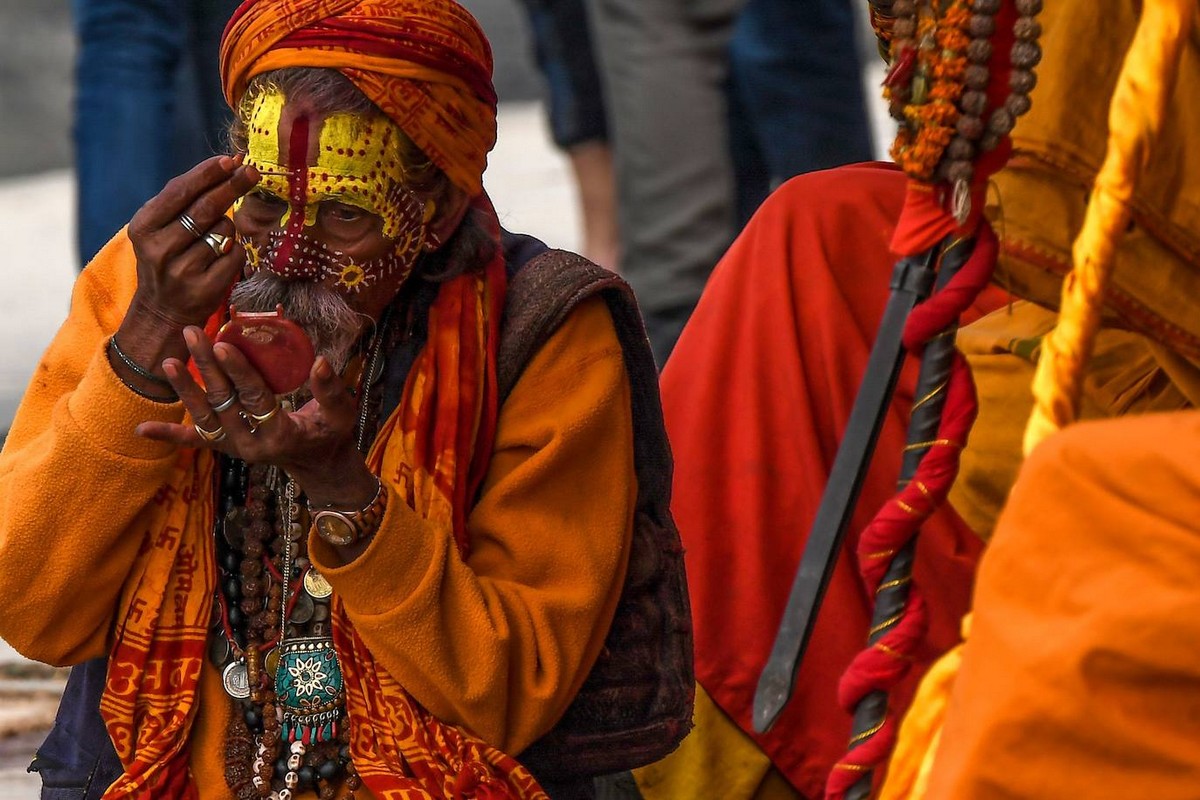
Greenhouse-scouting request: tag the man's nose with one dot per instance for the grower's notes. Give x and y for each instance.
(295, 256)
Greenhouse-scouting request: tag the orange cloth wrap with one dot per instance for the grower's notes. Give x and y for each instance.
(1080, 676)
(425, 63)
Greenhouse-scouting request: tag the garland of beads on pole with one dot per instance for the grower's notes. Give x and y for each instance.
(937, 82)
(894, 640)
(937, 88)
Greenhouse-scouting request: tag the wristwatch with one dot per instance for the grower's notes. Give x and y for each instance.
(343, 528)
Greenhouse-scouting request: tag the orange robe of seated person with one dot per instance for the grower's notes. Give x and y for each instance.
(498, 643)
(1080, 677)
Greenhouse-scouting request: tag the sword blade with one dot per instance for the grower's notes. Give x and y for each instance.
(911, 282)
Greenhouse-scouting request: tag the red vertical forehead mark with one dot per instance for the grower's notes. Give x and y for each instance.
(291, 260)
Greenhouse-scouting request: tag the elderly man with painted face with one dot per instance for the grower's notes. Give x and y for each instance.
(417, 555)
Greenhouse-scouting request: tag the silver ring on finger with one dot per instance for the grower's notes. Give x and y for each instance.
(220, 243)
(225, 404)
(190, 225)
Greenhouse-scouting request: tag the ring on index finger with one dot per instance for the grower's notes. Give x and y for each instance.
(210, 436)
(190, 225)
(219, 243)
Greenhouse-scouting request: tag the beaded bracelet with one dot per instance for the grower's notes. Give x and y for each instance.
(137, 369)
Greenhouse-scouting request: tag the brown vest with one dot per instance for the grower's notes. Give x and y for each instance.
(636, 704)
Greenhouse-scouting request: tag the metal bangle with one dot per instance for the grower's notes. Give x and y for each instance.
(134, 367)
(166, 399)
(155, 398)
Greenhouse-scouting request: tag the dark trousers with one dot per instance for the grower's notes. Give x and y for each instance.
(148, 103)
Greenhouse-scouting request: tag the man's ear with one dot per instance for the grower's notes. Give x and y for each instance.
(449, 214)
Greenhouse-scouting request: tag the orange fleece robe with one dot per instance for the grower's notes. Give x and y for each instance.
(499, 643)
(1080, 676)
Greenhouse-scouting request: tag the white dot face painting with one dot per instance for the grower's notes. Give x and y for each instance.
(331, 205)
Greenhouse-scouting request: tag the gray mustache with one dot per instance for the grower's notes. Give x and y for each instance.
(332, 325)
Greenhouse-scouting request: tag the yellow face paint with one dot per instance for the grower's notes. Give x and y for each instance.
(357, 162)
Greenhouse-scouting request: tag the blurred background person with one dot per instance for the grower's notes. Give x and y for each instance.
(141, 62)
(796, 100)
(711, 103)
(562, 45)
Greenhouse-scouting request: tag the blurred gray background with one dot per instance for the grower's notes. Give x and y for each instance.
(37, 48)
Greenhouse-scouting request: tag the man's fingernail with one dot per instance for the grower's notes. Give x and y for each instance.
(189, 336)
(227, 163)
(324, 371)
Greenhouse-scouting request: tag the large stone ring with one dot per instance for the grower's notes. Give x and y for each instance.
(210, 436)
(190, 225)
(219, 243)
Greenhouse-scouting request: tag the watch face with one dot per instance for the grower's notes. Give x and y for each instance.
(335, 529)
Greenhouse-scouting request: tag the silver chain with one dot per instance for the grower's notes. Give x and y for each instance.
(292, 519)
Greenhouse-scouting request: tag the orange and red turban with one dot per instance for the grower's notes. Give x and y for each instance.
(425, 63)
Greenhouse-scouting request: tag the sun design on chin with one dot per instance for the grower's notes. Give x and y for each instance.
(352, 277)
(253, 254)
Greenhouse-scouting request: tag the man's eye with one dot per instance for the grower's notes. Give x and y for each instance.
(345, 213)
(267, 202)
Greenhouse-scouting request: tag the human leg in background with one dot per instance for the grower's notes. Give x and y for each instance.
(664, 68)
(210, 132)
(797, 99)
(125, 80)
(564, 53)
(148, 103)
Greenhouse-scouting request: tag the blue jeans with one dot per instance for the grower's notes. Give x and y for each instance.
(148, 103)
(796, 96)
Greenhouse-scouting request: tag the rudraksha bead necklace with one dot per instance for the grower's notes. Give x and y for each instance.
(937, 84)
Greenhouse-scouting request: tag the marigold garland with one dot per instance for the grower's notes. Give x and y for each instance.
(930, 116)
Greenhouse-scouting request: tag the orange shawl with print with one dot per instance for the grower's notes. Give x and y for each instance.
(432, 453)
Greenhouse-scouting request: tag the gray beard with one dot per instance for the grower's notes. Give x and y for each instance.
(332, 325)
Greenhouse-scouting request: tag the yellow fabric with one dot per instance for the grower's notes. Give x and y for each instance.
(921, 730)
(498, 643)
(1127, 374)
(1134, 120)
(1040, 198)
(717, 759)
